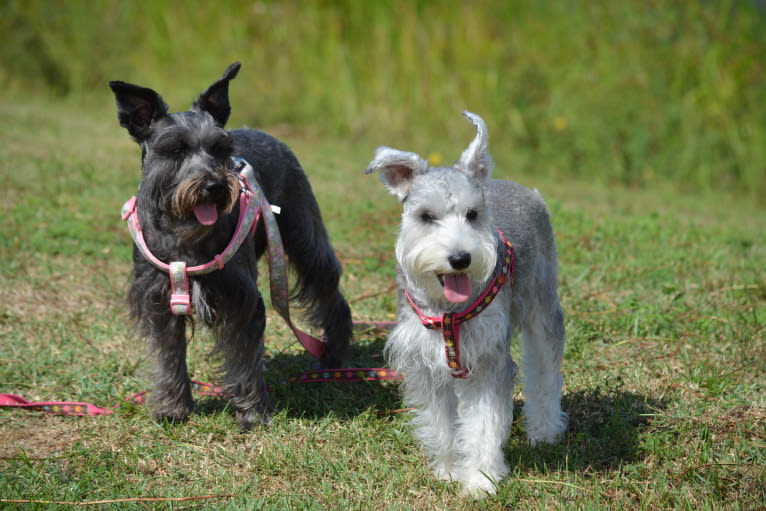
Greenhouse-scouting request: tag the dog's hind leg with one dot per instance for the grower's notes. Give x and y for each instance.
(543, 346)
(171, 398)
(335, 317)
(318, 272)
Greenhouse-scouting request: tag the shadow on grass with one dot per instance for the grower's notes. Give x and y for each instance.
(605, 422)
(604, 431)
(341, 399)
(316, 400)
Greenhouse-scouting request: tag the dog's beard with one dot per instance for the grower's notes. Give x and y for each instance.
(191, 198)
(423, 258)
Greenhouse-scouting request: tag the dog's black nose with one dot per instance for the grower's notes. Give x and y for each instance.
(460, 260)
(215, 188)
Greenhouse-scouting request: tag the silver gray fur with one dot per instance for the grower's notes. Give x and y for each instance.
(452, 214)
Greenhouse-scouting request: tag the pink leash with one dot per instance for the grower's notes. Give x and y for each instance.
(55, 407)
(201, 388)
(253, 205)
(82, 409)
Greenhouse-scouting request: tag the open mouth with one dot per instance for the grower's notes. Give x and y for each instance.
(457, 286)
(206, 213)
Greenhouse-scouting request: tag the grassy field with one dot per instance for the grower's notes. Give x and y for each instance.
(641, 123)
(664, 367)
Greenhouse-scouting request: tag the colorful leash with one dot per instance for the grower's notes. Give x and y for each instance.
(78, 408)
(83, 409)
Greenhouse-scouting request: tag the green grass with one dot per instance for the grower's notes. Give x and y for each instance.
(641, 123)
(632, 92)
(664, 365)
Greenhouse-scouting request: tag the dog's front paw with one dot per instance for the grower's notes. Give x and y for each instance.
(442, 469)
(246, 419)
(165, 408)
(478, 484)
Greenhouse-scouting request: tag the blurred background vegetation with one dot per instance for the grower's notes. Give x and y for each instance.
(642, 93)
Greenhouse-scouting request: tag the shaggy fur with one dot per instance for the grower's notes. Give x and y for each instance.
(187, 162)
(449, 227)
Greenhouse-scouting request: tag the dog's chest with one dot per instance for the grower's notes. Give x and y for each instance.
(480, 341)
(485, 332)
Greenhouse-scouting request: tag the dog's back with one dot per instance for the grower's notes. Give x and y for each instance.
(523, 217)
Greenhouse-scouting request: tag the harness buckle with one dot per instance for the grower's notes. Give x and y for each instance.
(180, 304)
(180, 300)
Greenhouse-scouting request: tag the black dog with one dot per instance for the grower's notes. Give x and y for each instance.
(188, 207)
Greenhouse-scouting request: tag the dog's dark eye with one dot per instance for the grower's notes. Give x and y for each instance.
(427, 217)
(471, 215)
(178, 151)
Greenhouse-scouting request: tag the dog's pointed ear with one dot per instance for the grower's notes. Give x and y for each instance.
(137, 108)
(215, 100)
(397, 169)
(476, 160)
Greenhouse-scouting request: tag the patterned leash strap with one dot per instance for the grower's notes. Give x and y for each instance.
(82, 409)
(346, 375)
(54, 407)
(78, 408)
(277, 263)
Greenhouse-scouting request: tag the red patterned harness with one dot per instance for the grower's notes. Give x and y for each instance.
(449, 322)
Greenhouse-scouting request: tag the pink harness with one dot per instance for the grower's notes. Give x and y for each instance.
(252, 206)
(449, 322)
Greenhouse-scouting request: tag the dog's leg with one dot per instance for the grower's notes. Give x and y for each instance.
(434, 425)
(336, 322)
(171, 398)
(318, 270)
(485, 412)
(543, 346)
(242, 347)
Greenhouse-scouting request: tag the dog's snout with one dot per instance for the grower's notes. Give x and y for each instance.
(460, 260)
(216, 190)
(215, 187)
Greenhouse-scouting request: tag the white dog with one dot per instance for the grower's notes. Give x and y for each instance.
(476, 265)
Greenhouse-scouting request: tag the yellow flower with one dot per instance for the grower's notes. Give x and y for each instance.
(435, 159)
(560, 123)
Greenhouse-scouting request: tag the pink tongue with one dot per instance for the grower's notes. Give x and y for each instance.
(206, 213)
(457, 287)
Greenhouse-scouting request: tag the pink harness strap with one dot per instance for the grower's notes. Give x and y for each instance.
(253, 205)
(449, 322)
